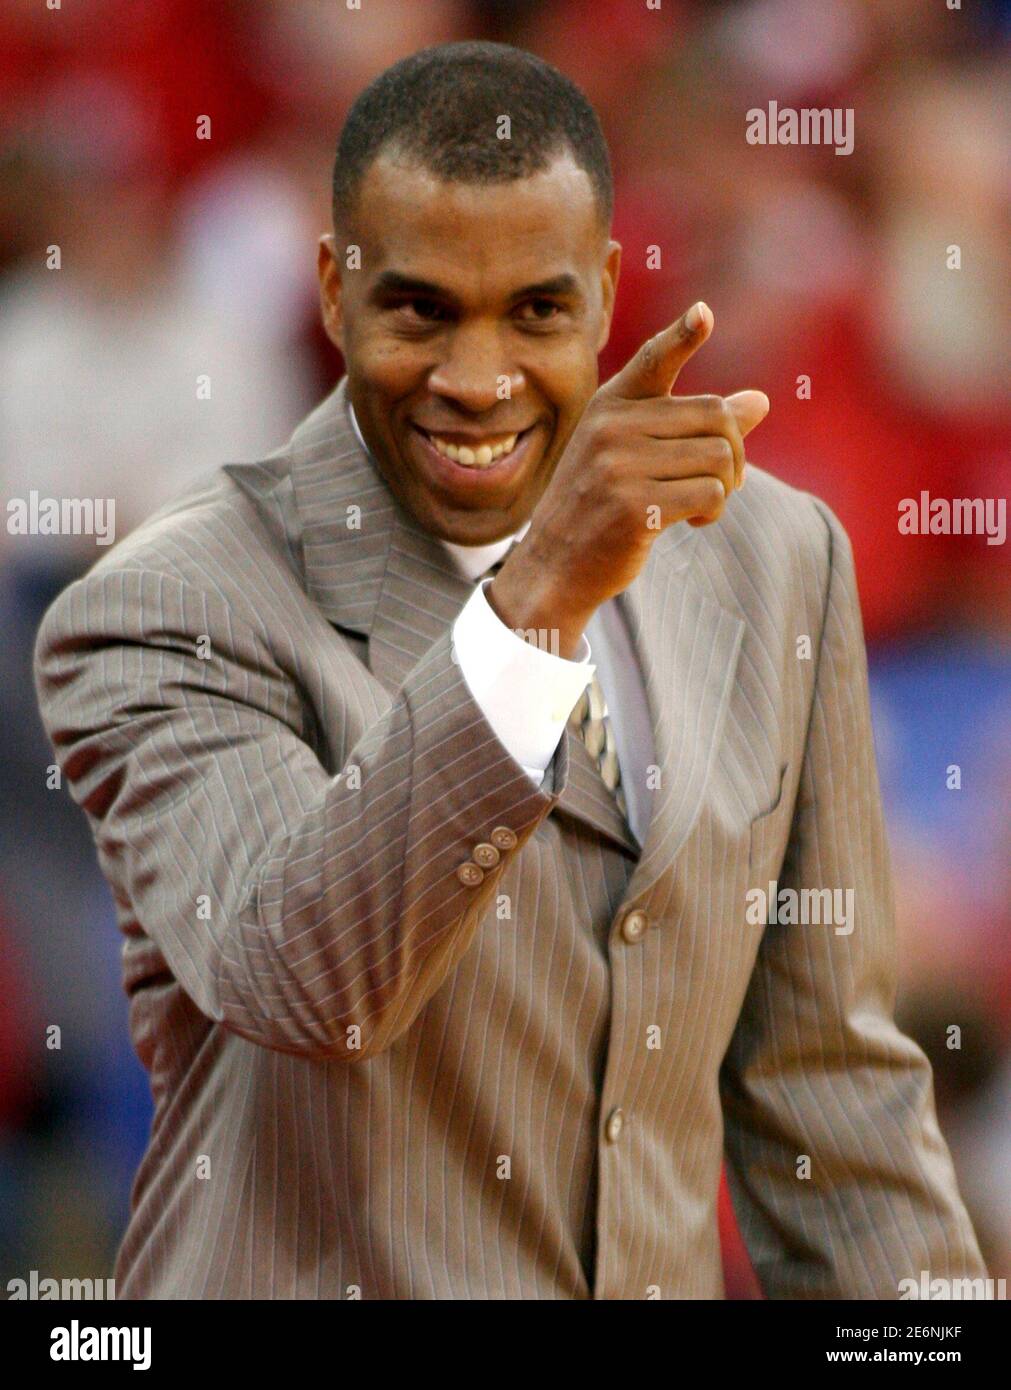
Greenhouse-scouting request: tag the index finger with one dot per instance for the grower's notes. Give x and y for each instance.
(654, 368)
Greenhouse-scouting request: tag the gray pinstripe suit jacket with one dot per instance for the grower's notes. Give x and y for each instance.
(370, 1077)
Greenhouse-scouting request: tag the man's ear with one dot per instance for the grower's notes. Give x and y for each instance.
(330, 290)
(609, 289)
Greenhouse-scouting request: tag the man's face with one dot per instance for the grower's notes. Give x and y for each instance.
(473, 324)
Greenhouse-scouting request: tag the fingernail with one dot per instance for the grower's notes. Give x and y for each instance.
(694, 317)
(744, 469)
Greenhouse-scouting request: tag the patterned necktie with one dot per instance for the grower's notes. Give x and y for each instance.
(591, 721)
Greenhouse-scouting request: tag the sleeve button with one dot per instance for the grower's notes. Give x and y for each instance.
(485, 855)
(469, 874)
(503, 838)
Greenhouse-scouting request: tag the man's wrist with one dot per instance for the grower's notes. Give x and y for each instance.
(527, 603)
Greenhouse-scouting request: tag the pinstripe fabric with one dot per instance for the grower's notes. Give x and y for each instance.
(255, 700)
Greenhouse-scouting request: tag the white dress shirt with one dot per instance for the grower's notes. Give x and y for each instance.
(527, 694)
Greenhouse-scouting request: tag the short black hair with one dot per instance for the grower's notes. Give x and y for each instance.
(441, 106)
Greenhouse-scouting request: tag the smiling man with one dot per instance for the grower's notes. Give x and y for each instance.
(432, 760)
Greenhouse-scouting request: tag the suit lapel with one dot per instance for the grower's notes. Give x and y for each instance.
(587, 798)
(368, 565)
(688, 646)
(420, 598)
(373, 570)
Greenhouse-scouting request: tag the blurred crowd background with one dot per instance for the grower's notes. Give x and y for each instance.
(182, 256)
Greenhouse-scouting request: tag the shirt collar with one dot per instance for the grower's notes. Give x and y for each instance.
(470, 560)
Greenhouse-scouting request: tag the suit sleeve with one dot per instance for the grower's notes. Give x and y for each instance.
(817, 1067)
(312, 914)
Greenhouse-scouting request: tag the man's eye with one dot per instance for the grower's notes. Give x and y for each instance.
(544, 310)
(428, 310)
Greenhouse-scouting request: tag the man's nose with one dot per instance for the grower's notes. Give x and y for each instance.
(475, 371)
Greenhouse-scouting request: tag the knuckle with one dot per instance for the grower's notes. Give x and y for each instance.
(709, 498)
(606, 430)
(602, 452)
(609, 469)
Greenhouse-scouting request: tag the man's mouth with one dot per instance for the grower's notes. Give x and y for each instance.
(477, 453)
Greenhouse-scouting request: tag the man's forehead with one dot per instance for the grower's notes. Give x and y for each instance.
(537, 227)
(397, 175)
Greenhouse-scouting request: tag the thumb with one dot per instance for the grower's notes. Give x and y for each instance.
(654, 368)
(750, 409)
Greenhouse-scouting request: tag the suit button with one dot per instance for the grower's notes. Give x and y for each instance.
(613, 1128)
(503, 838)
(634, 926)
(485, 855)
(469, 874)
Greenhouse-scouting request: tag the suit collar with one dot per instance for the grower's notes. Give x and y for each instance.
(372, 569)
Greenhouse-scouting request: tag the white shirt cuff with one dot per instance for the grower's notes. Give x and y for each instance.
(525, 692)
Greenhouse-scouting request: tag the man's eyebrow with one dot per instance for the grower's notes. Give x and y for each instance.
(393, 282)
(566, 284)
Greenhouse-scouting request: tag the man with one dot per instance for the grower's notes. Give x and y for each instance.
(443, 970)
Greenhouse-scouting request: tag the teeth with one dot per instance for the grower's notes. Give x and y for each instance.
(481, 457)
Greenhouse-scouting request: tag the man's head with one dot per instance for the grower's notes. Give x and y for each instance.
(475, 180)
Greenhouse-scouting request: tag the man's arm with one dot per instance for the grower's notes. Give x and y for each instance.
(305, 912)
(816, 1065)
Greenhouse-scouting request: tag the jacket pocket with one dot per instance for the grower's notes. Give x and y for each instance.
(770, 830)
